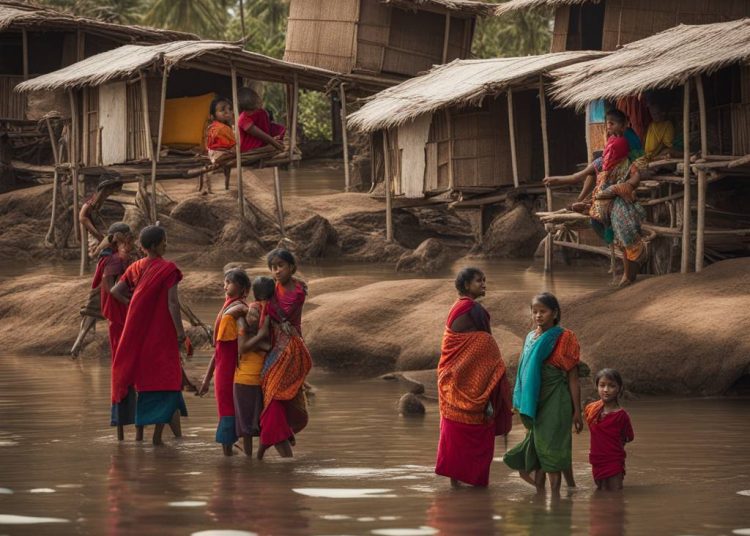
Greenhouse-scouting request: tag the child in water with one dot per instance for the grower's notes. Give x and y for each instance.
(220, 139)
(610, 429)
(254, 342)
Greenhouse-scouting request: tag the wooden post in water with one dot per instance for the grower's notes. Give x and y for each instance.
(387, 175)
(512, 130)
(237, 150)
(344, 139)
(548, 244)
(73, 151)
(702, 182)
(149, 144)
(686, 212)
(279, 200)
(545, 139)
(155, 156)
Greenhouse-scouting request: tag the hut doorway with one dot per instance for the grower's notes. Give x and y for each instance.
(586, 26)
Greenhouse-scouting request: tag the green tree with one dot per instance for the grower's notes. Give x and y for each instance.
(521, 33)
(206, 18)
(117, 11)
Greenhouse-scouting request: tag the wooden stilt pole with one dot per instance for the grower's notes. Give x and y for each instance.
(237, 151)
(73, 150)
(49, 238)
(387, 174)
(686, 211)
(155, 157)
(702, 183)
(446, 36)
(25, 46)
(149, 143)
(511, 129)
(344, 139)
(545, 139)
(279, 200)
(295, 113)
(548, 250)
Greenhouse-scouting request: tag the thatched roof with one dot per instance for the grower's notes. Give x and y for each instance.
(470, 7)
(461, 82)
(515, 5)
(15, 15)
(664, 60)
(128, 61)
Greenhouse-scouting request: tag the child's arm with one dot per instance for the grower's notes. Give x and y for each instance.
(255, 342)
(269, 140)
(174, 311)
(237, 311)
(120, 292)
(207, 378)
(109, 281)
(575, 394)
(84, 217)
(627, 430)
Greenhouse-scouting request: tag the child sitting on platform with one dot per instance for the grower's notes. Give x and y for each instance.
(220, 140)
(256, 128)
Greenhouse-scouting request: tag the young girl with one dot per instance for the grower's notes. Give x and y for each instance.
(256, 128)
(610, 429)
(148, 355)
(254, 342)
(113, 260)
(220, 140)
(547, 396)
(288, 362)
(224, 360)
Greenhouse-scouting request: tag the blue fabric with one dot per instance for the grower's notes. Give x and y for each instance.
(123, 413)
(157, 407)
(597, 111)
(225, 432)
(536, 350)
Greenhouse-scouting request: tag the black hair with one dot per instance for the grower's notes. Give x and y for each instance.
(109, 179)
(550, 301)
(247, 98)
(215, 103)
(610, 374)
(263, 288)
(118, 227)
(152, 236)
(283, 254)
(617, 115)
(238, 276)
(466, 276)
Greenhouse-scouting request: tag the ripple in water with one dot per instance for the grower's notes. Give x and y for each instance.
(741, 532)
(7, 519)
(343, 493)
(224, 533)
(42, 490)
(745, 492)
(6, 491)
(187, 504)
(421, 531)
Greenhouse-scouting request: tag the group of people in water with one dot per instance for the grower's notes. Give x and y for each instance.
(476, 402)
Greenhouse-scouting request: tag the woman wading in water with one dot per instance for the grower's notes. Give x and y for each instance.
(547, 395)
(473, 388)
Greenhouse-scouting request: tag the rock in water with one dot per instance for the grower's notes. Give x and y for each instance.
(429, 257)
(410, 404)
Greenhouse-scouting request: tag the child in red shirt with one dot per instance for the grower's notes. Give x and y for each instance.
(256, 128)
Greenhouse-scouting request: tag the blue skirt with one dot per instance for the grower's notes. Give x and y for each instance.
(123, 413)
(225, 432)
(157, 407)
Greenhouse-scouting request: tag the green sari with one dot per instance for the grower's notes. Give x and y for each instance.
(548, 442)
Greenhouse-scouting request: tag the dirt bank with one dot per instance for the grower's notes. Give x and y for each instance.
(677, 334)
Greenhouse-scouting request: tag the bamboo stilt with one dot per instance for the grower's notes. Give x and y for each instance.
(73, 150)
(149, 143)
(25, 46)
(446, 36)
(702, 182)
(49, 238)
(155, 156)
(279, 199)
(685, 258)
(295, 113)
(237, 151)
(511, 129)
(344, 139)
(545, 138)
(388, 201)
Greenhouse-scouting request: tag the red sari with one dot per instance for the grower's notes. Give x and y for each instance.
(225, 363)
(111, 264)
(609, 433)
(471, 375)
(285, 370)
(148, 355)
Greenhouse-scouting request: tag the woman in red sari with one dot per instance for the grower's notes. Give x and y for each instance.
(288, 362)
(473, 391)
(224, 361)
(113, 260)
(148, 355)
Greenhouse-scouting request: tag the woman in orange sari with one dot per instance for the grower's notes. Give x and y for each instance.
(473, 391)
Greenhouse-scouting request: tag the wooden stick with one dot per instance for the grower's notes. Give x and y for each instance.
(451, 183)
(279, 200)
(700, 237)
(344, 138)
(511, 129)
(155, 157)
(85, 117)
(237, 150)
(446, 36)
(25, 45)
(545, 139)
(388, 201)
(702, 111)
(149, 141)
(73, 150)
(55, 179)
(685, 258)
(295, 113)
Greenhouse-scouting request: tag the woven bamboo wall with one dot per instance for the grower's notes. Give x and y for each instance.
(415, 42)
(560, 31)
(322, 33)
(372, 35)
(12, 104)
(91, 125)
(412, 142)
(114, 121)
(437, 172)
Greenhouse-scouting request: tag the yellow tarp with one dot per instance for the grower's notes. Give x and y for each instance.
(185, 120)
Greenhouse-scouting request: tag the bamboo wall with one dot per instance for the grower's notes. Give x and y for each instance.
(12, 104)
(437, 153)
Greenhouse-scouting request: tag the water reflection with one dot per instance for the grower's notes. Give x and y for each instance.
(607, 514)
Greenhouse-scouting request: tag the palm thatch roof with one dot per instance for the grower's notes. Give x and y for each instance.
(459, 83)
(215, 56)
(515, 5)
(471, 7)
(15, 15)
(664, 60)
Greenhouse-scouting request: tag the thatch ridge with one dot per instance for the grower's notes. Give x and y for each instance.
(15, 15)
(128, 60)
(472, 7)
(516, 5)
(664, 60)
(460, 82)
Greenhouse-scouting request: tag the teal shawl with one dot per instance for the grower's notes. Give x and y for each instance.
(536, 350)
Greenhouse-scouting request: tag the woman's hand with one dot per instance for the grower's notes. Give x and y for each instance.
(552, 181)
(204, 387)
(577, 422)
(605, 194)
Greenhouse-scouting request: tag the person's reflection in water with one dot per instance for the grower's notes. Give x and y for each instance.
(607, 516)
(120, 496)
(540, 516)
(468, 512)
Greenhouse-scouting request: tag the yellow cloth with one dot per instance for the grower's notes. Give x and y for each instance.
(185, 120)
(659, 136)
(249, 368)
(227, 329)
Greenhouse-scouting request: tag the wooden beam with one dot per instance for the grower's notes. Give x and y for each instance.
(545, 139)
(449, 124)
(279, 200)
(73, 153)
(80, 45)
(511, 129)
(700, 237)
(237, 150)
(149, 142)
(85, 117)
(702, 111)
(387, 180)
(685, 258)
(295, 111)
(155, 157)
(25, 45)
(49, 237)
(446, 36)
(344, 138)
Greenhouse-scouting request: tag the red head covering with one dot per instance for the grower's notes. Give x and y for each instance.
(617, 148)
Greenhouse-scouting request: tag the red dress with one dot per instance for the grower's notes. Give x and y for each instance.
(114, 311)
(260, 119)
(609, 433)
